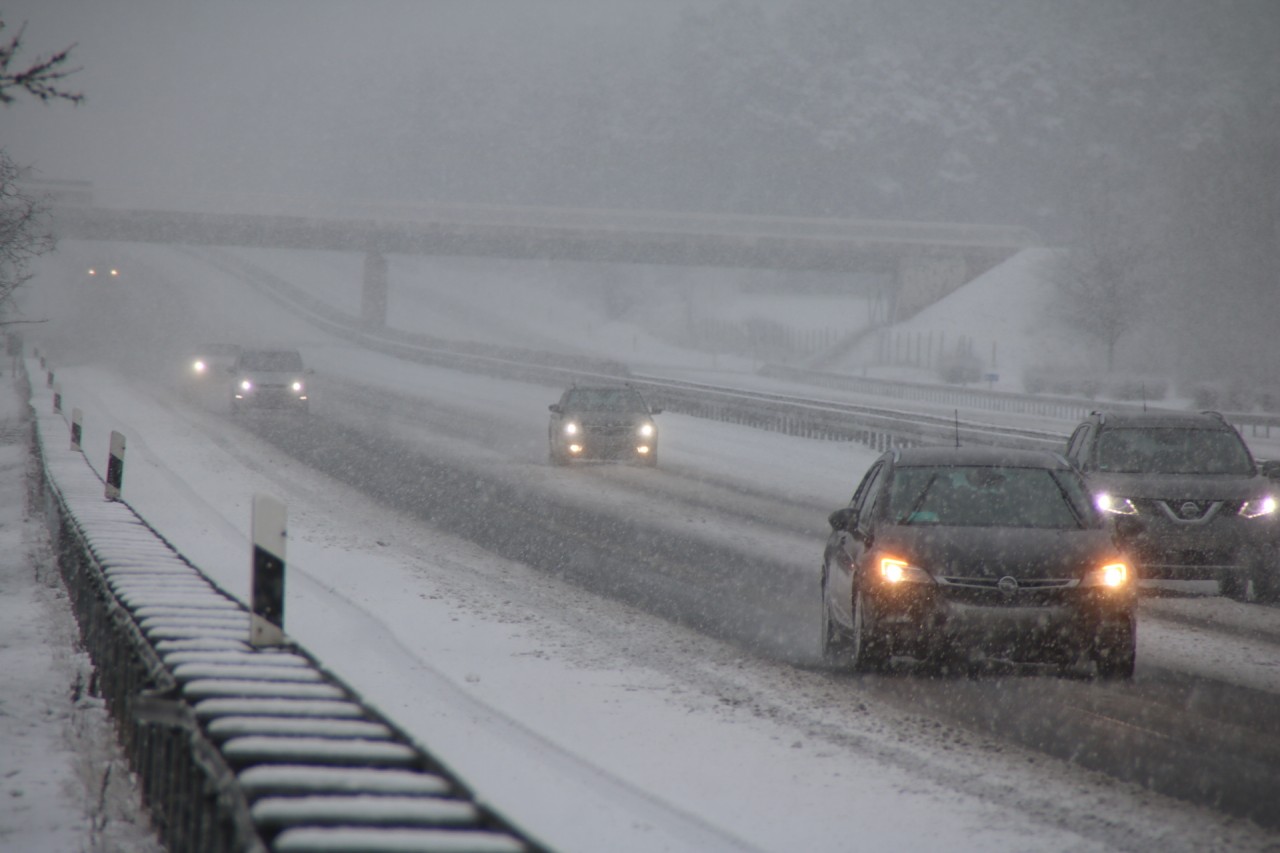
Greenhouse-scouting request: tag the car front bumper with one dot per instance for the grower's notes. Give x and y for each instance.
(1048, 625)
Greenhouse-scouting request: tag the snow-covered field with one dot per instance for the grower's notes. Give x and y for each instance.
(589, 723)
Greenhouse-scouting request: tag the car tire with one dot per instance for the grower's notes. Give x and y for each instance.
(868, 652)
(1115, 652)
(651, 461)
(556, 459)
(1266, 586)
(834, 647)
(1233, 585)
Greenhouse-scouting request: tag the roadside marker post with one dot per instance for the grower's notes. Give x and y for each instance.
(115, 466)
(266, 623)
(57, 399)
(76, 418)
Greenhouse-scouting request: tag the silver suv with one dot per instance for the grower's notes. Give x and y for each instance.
(269, 379)
(1186, 497)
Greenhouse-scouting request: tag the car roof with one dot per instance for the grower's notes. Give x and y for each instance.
(1172, 420)
(979, 456)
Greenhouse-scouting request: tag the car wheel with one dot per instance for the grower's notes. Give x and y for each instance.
(1266, 587)
(1233, 585)
(1115, 652)
(557, 459)
(652, 459)
(835, 648)
(869, 652)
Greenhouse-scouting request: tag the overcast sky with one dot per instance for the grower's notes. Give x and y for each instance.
(960, 110)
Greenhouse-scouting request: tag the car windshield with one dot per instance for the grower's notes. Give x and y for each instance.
(1161, 450)
(986, 496)
(276, 360)
(604, 400)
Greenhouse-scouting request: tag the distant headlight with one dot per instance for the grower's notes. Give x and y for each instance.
(297, 386)
(1258, 507)
(647, 430)
(1112, 575)
(571, 428)
(199, 366)
(896, 571)
(246, 385)
(1114, 505)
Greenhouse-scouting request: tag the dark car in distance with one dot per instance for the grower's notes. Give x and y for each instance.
(947, 554)
(1186, 495)
(602, 422)
(269, 379)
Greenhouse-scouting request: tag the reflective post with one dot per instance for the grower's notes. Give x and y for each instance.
(115, 466)
(266, 623)
(76, 418)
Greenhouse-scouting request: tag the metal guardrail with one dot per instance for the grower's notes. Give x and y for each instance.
(238, 748)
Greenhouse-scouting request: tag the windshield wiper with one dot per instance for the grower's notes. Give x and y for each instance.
(919, 501)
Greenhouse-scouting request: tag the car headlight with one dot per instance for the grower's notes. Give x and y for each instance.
(297, 386)
(647, 430)
(1114, 505)
(246, 385)
(1258, 507)
(199, 366)
(895, 571)
(1112, 575)
(570, 428)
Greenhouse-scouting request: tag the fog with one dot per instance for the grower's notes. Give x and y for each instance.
(1040, 114)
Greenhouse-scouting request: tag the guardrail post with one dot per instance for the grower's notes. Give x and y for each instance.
(76, 417)
(115, 466)
(266, 626)
(48, 379)
(57, 399)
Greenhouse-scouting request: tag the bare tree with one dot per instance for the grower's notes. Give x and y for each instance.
(42, 79)
(24, 233)
(1102, 279)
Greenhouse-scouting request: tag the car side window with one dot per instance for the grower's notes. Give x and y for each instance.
(861, 490)
(1077, 448)
(868, 495)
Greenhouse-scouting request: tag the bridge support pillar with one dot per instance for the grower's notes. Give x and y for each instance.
(924, 278)
(373, 292)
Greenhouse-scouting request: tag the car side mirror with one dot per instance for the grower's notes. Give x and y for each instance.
(1270, 468)
(655, 411)
(839, 520)
(555, 407)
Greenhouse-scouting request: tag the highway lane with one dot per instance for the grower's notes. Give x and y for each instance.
(1222, 750)
(730, 548)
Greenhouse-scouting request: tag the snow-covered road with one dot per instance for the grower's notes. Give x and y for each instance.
(592, 724)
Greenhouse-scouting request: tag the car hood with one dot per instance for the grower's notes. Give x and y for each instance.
(271, 377)
(994, 552)
(608, 418)
(1198, 487)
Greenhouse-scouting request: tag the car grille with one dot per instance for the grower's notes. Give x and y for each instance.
(609, 430)
(993, 583)
(986, 591)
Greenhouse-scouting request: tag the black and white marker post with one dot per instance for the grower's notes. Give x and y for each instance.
(57, 399)
(115, 466)
(76, 419)
(266, 624)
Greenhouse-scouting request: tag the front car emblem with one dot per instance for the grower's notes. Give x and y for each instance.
(1007, 585)
(1190, 509)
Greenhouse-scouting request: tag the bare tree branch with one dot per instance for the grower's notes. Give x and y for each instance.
(42, 79)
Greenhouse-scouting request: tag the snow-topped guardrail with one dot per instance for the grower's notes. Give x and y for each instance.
(238, 748)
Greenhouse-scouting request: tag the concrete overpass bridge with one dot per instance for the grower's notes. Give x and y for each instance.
(925, 261)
